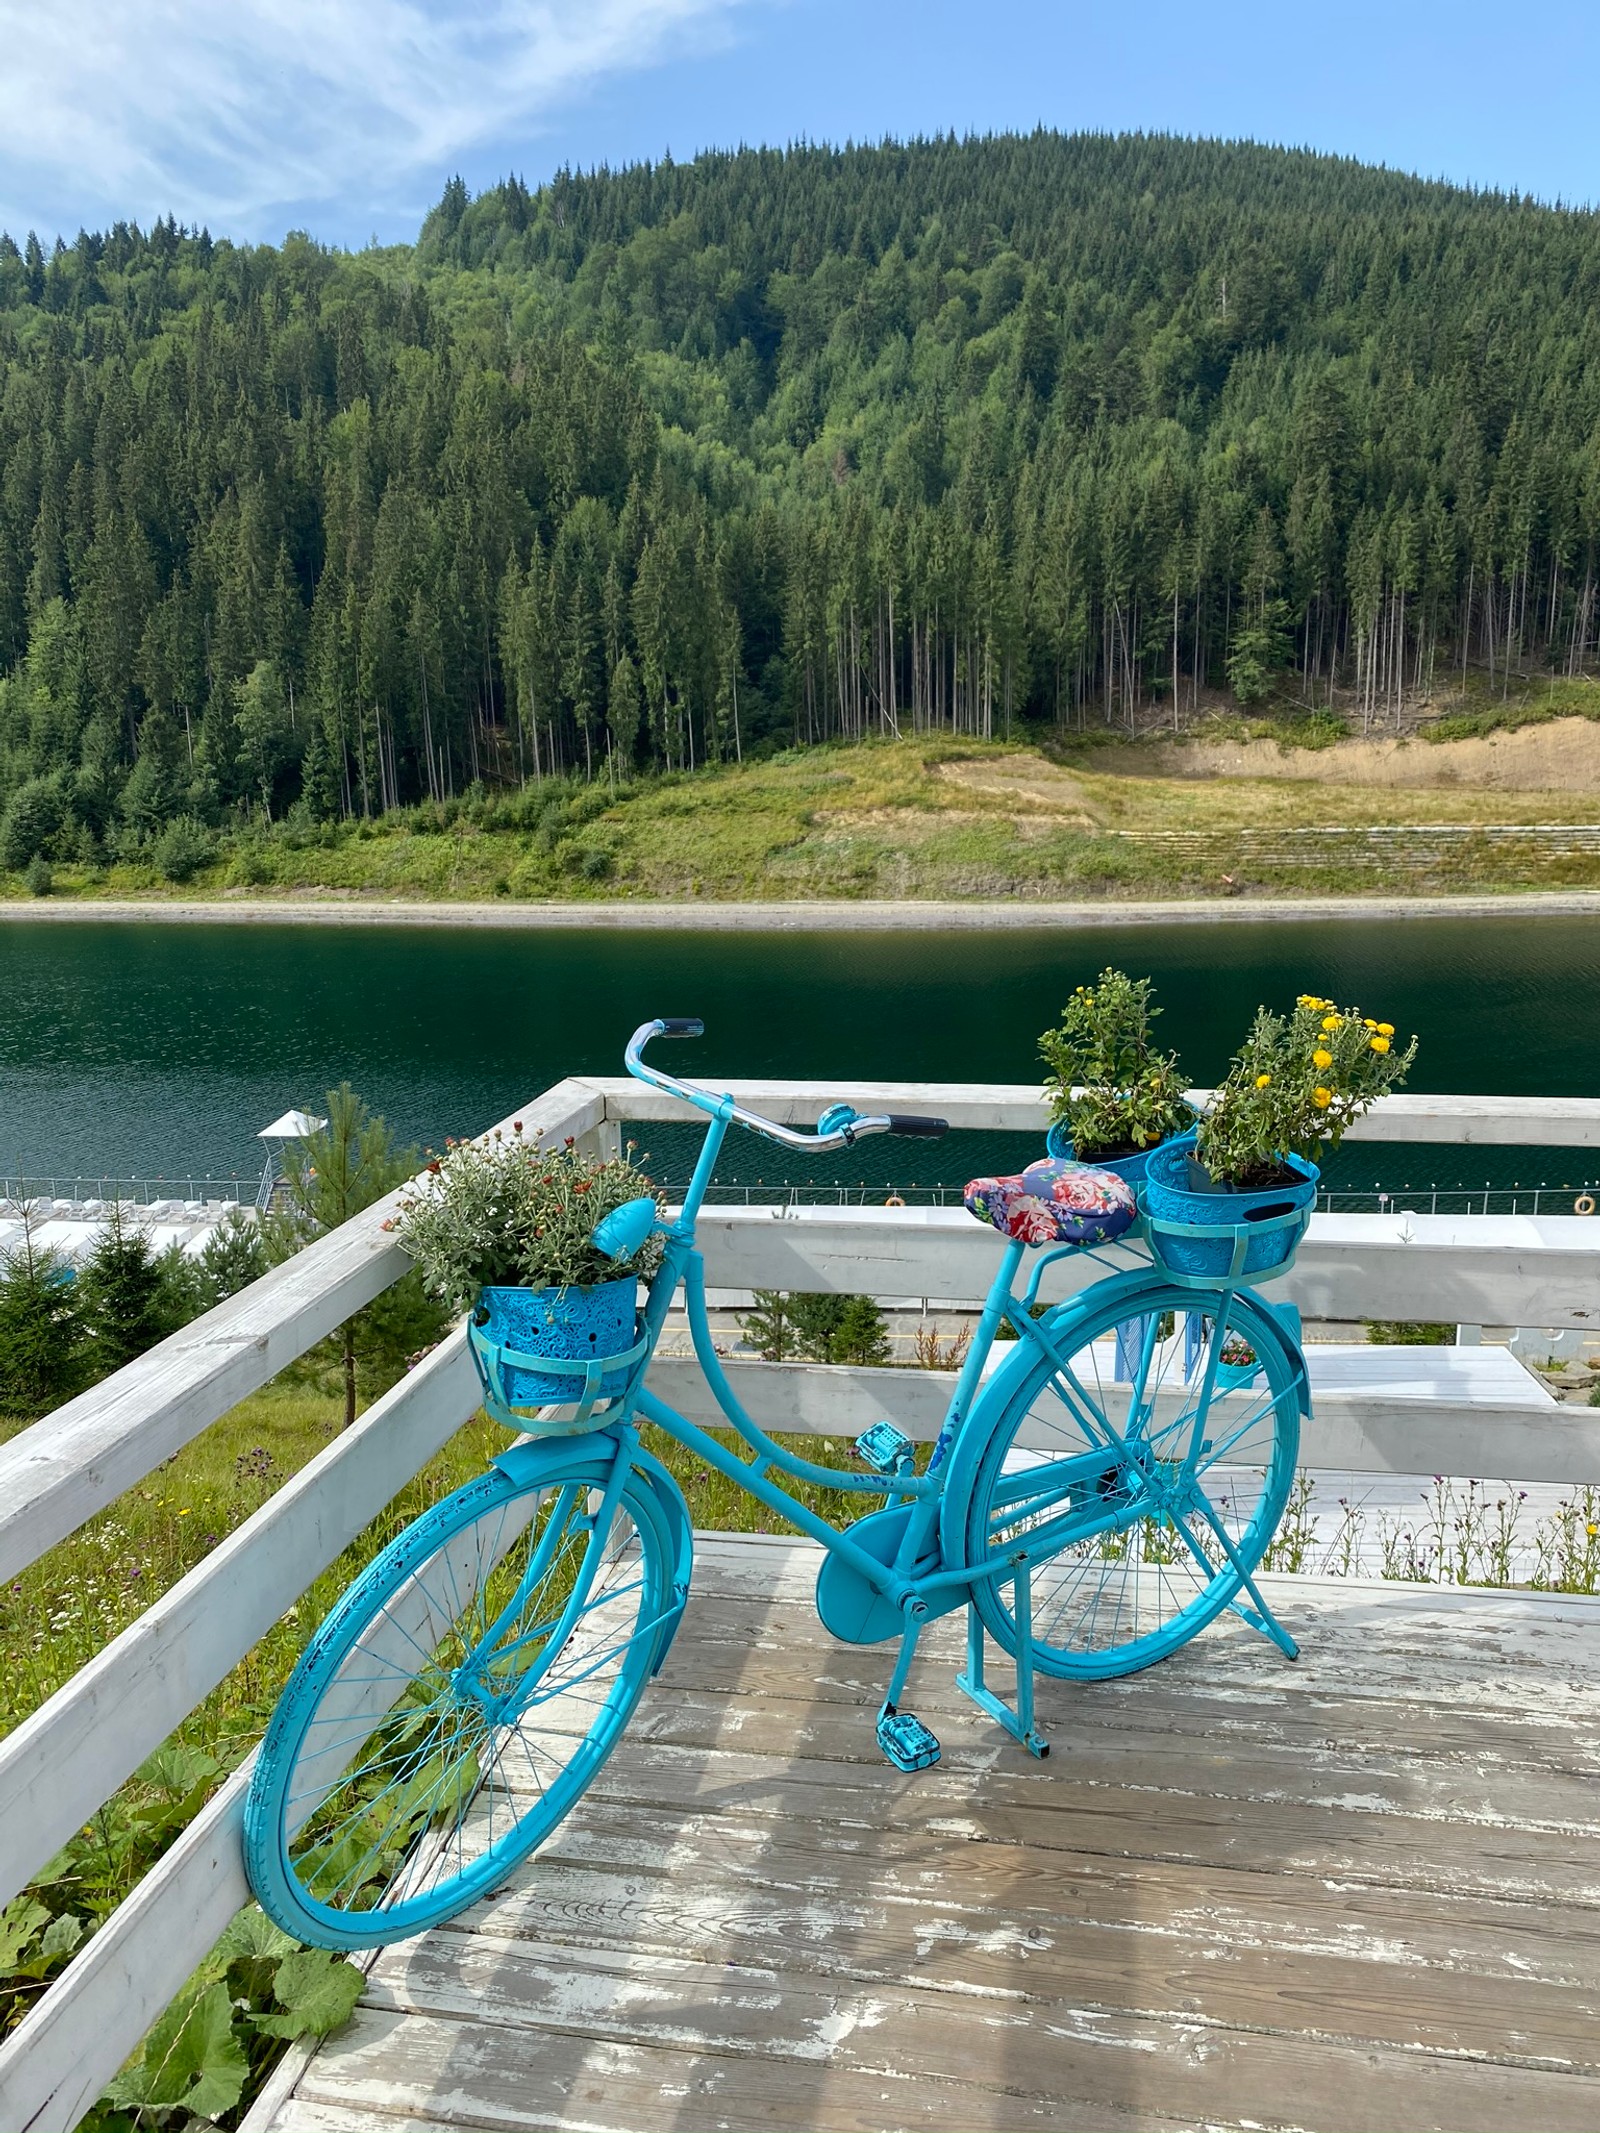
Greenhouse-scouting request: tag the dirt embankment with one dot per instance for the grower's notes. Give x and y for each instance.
(1560, 756)
(1025, 784)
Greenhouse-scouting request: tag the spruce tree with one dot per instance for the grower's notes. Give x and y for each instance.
(233, 1256)
(769, 1328)
(41, 1329)
(123, 1298)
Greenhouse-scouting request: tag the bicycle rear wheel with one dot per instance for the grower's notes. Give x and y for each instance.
(1183, 1489)
(456, 1702)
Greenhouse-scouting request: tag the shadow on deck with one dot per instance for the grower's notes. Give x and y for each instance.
(1359, 1893)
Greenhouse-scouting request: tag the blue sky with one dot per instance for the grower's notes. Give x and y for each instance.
(346, 116)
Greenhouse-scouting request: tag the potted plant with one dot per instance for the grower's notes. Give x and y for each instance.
(504, 1228)
(1235, 1195)
(1113, 1096)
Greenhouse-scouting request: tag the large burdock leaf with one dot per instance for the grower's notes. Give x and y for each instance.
(316, 1992)
(192, 2060)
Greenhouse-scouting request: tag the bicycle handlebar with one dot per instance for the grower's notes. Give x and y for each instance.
(706, 1100)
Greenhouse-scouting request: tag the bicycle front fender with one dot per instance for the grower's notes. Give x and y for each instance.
(1281, 1324)
(539, 1463)
(675, 1517)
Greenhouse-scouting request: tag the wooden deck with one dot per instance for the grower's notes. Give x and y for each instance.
(1359, 1893)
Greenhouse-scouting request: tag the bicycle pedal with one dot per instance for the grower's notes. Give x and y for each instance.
(906, 1741)
(882, 1447)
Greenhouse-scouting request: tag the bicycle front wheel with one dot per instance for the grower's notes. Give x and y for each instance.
(456, 1702)
(1180, 1489)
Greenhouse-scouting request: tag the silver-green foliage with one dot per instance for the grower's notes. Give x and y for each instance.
(504, 1212)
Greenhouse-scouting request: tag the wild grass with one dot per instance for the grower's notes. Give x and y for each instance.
(1461, 1532)
(882, 820)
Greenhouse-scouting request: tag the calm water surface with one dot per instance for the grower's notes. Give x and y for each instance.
(160, 1050)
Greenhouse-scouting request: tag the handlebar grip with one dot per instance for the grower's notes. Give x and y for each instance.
(680, 1026)
(923, 1129)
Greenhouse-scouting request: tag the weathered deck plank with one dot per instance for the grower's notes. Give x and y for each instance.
(1356, 1893)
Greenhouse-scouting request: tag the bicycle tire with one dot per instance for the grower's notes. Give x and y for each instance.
(447, 1780)
(1134, 1593)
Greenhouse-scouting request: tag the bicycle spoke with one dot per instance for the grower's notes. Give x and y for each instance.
(463, 1708)
(1153, 1463)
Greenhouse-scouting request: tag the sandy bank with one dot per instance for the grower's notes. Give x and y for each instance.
(863, 917)
(1557, 758)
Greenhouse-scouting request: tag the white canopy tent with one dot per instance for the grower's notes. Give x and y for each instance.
(293, 1126)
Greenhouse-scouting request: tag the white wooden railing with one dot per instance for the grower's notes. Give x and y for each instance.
(72, 1754)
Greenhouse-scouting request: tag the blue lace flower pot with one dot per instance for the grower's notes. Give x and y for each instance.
(1218, 1232)
(576, 1325)
(1132, 1169)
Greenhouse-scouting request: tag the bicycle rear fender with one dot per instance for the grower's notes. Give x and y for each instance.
(546, 1464)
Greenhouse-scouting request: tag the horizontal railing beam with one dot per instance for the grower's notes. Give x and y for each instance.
(72, 1753)
(82, 1457)
(95, 2013)
(1013, 1107)
(1375, 1433)
(1471, 1270)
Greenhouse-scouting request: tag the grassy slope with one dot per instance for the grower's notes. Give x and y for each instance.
(928, 817)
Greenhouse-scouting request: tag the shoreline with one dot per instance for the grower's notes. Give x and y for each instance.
(837, 917)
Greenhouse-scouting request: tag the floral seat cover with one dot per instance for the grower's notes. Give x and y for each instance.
(1055, 1202)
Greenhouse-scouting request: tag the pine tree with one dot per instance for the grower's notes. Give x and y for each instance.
(862, 1334)
(150, 797)
(331, 1175)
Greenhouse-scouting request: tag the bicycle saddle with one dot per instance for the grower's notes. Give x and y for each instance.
(1055, 1202)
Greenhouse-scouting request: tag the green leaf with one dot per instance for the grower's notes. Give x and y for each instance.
(253, 1933)
(62, 1935)
(248, 1954)
(317, 1992)
(19, 1922)
(177, 1769)
(191, 2059)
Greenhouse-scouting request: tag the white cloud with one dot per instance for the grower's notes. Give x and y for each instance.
(230, 110)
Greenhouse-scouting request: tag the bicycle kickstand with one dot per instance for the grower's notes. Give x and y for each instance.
(1018, 1723)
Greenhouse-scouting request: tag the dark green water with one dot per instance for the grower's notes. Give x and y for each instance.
(160, 1050)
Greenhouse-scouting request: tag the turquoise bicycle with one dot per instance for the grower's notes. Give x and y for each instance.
(1092, 1502)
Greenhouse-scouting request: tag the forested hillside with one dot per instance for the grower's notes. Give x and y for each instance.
(674, 464)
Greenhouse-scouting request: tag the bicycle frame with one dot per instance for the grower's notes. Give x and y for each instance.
(916, 1594)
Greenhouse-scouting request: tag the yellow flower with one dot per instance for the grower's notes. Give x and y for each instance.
(1322, 1098)
(1330, 1021)
(1263, 1081)
(1369, 1023)
(1322, 1059)
(1380, 1044)
(1385, 1029)
(1591, 1531)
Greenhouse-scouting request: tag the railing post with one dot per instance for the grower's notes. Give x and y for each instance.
(603, 1142)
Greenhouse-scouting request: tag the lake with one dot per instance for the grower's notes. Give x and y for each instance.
(160, 1050)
